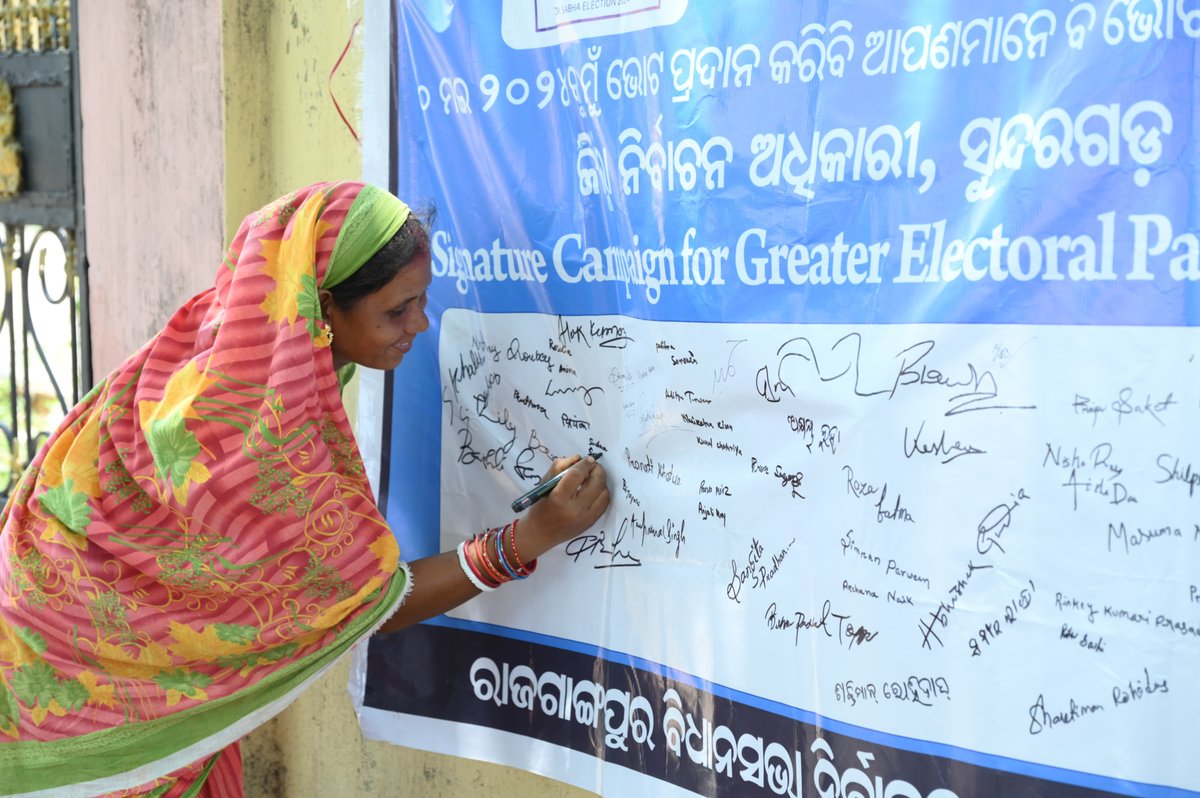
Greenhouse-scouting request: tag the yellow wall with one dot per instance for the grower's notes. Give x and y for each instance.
(282, 131)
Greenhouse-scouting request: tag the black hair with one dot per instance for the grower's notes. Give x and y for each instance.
(411, 240)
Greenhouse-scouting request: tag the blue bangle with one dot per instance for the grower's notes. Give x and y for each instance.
(504, 560)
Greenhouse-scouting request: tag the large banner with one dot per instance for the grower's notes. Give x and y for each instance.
(884, 317)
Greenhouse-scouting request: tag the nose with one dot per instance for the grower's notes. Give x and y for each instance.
(418, 322)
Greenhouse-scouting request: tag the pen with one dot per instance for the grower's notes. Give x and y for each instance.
(526, 500)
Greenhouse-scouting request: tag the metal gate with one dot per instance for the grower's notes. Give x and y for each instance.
(45, 358)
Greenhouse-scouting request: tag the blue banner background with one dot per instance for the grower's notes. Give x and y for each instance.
(508, 173)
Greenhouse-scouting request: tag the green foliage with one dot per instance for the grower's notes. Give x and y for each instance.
(252, 659)
(10, 711)
(173, 447)
(35, 683)
(68, 506)
(236, 633)
(308, 303)
(72, 694)
(32, 638)
(182, 681)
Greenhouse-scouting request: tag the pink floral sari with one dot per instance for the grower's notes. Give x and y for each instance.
(197, 541)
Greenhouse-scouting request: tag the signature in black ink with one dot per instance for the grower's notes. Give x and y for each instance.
(629, 497)
(790, 479)
(1086, 643)
(1138, 688)
(857, 487)
(733, 590)
(941, 615)
(1172, 472)
(464, 370)
(982, 391)
(669, 533)
(491, 459)
(848, 634)
(1114, 491)
(798, 621)
(612, 336)
(938, 448)
(585, 390)
(456, 412)
(500, 418)
(995, 522)
(595, 545)
(569, 333)
(1041, 719)
(728, 371)
(515, 352)
(1122, 406)
(1100, 458)
(528, 401)
(894, 512)
(533, 447)
(570, 422)
(1139, 536)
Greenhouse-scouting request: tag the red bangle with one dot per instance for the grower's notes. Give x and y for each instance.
(522, 568)
(481, 543)
(469, 571)
(480, 564)
(468, 551)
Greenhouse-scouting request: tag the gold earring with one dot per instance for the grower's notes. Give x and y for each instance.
(324, 338)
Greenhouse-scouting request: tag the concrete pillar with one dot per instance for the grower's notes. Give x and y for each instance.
(153, 163)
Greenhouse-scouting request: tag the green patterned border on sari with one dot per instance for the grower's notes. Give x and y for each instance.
(32, 767)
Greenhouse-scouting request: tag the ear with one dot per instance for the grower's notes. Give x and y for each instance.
(326, 300)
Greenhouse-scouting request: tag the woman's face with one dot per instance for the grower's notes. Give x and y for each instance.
(379, 329)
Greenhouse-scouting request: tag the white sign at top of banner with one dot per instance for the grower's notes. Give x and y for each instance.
(528, 24)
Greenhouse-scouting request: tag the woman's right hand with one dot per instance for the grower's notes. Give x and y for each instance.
(575, 504)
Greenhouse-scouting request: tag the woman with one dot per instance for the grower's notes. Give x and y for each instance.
(197, 541)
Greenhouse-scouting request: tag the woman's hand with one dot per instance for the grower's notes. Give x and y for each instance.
(579, 498)
(576, 502)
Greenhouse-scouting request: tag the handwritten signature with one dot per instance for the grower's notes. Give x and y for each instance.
(938, 448)
(980, 389)
(595, 546)
(998, 519)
